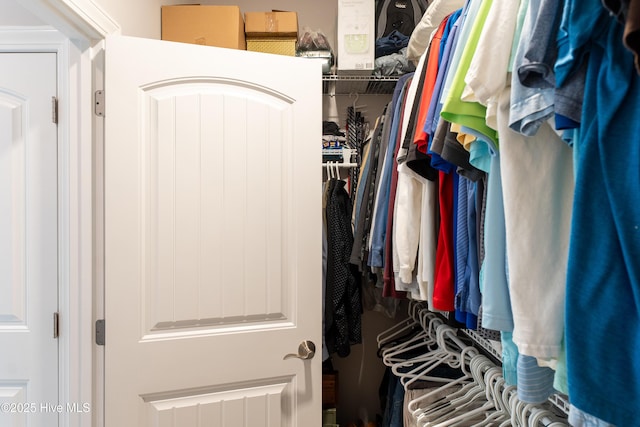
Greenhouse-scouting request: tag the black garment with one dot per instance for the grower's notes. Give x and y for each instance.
(411, 124)
(331, 128)
(343, 305)
(627, 13)
(618, 9)
(417, 161)
(420, 163)
(328, 280)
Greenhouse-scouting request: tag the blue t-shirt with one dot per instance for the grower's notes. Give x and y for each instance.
(603, 280)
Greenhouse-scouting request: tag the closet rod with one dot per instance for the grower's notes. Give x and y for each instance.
(340, 165)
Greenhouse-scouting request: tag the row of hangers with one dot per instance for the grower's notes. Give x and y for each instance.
(333, 168)
(478, 396)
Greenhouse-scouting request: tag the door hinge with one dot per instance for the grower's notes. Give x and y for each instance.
(100, 332)
(56, 324)
(54, 109)
(99, 103)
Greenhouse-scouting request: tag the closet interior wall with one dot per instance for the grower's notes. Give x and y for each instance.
(360, 373)
(370, 106)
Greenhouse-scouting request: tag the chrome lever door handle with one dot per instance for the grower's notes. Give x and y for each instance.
(306, 350)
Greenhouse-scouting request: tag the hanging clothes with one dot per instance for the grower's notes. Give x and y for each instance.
(515, 204)
(603, 277)
(343, 305)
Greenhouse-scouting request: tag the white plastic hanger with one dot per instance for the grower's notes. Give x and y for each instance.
(401, 328)
(543, 417)
(355, 105)
(492, 402)
(462, 406)
(329, 171)
(495, 391)
(444, 353)
(442, 408)
(424, 338)
(507, 394)
(517, 406)
(412, 322)
(464, 399)
(466, 355)
(429, 323)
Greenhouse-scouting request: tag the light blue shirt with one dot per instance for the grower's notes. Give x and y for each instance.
(496, 305)
(530, 106)
(535, 383)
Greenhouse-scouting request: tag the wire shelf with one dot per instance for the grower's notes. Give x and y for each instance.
(339, 84)
(341, 157)
(494, 348)
(561, 402)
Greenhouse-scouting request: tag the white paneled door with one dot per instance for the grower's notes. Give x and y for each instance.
(28, 240)
(212, 236)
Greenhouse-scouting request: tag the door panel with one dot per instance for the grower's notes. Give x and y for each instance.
(255, 405)
(193, 186)
(212, 236)
(28, 239)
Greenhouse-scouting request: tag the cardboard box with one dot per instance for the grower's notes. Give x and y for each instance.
(271, 24)
(329, 390)
(356, 35)
(279, 46)
(220, 26)
(272, 32)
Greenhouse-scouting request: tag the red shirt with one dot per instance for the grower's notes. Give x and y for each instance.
(431, 75)
(444, 282)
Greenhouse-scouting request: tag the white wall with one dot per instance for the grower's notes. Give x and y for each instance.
(12, 14)
(141, 18)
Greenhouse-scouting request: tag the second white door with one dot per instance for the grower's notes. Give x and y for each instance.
(28, 240)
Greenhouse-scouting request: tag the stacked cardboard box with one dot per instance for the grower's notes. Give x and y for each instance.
(220, 26)
(272, 32)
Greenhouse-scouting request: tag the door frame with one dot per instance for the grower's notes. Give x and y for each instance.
(75, 31)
